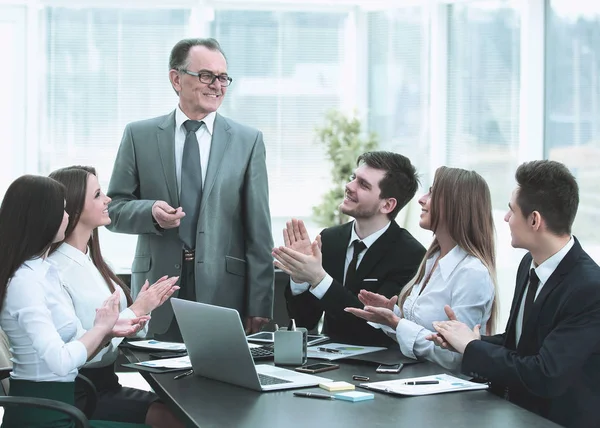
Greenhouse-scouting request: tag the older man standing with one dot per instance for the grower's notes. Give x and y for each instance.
(193, 186)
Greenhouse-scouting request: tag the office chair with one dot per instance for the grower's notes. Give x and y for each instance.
(80, 418)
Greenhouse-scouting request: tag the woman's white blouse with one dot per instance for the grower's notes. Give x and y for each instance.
(41, 325)
(461, 281)
(88, 291)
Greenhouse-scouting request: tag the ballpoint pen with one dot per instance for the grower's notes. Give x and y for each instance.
(313, 395)
(184, 374)
(330, 350)
(422, 382)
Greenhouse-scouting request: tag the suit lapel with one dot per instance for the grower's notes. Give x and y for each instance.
(375, 252)
(522, 280)
(166, 149)
(563, 268)
(221, 139)
(337, 249)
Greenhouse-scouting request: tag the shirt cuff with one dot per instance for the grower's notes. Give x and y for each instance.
(298, 287)
(397, 311)
(127, 314)
(78, 352)
(321, 288)
(406, 335)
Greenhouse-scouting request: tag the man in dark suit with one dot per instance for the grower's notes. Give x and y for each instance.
(548, 359)
(372, 252)
(193, 186)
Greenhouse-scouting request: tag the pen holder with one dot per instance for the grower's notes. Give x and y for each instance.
(290, 346)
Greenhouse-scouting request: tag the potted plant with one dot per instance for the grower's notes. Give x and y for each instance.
(342, 135)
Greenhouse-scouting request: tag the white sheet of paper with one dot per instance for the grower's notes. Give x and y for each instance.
(169, 363)
(339, 350)
(158, 345)
(446, 383)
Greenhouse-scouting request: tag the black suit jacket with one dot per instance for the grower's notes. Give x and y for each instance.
(555, 369)
(385, 268)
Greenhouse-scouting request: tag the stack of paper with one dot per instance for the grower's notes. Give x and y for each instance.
(443, 383)
(354, 396)
(337, 386)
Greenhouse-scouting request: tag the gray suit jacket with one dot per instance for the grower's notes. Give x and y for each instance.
(233, 263)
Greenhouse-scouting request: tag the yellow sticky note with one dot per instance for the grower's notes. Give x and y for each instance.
(337, 386)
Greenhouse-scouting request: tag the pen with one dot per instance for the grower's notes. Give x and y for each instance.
(422, 382)
(292, 325)
(331, 350)
(184, 374)
(359, 377)
(313, 395)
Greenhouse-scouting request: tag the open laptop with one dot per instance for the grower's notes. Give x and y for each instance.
(218, 349)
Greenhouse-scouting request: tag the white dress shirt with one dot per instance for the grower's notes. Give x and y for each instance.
(88, 291)
(321, 288)
(41, 326)
(543, 272)
(461, 281)
(204, 136)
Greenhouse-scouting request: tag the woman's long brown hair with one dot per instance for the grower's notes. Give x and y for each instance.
(462, 200)
(75, 179)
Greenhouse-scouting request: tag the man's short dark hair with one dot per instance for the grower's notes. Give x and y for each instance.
(549, 188)
(400, 181)
(179, 54)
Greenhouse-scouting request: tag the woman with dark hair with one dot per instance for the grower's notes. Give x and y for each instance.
(459, 269)
(47, 340)
(88, 280)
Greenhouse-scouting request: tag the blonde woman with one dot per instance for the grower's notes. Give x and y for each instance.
(457, 270)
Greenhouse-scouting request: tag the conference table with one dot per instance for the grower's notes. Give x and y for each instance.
(208, 403)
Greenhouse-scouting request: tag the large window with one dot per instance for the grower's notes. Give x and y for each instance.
(105, 68)
(572, 131)
(483, 92)
(288, 71)
(398, 90)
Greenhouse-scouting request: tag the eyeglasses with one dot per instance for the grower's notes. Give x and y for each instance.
(209, 78)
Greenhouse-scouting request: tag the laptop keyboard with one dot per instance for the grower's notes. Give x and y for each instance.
(265, 352)
(270, 380)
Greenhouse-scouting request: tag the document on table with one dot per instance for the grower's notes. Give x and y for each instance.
(168, 363)
(337, 351)
(446, 383)
(158, 345)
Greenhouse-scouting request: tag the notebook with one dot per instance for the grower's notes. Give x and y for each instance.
(446, 383)
(218, 349)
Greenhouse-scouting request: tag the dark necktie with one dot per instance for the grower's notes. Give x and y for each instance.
(534, 282)
(191, 184)
(359, 246)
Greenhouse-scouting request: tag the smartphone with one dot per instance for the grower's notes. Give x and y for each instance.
(391, 368)
(161, 355)
(317, 368)
(262, 337)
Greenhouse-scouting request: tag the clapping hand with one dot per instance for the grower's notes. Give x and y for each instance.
(108, 313)
(125, 327)
(377, 315)
(295, 236)
(152, 296)
(299, 266)
(453, 334)
(368, 298)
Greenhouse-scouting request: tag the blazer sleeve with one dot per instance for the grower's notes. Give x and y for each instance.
(259, 239)
(496, 339)
(129, 213)
(304, 308)
(564, 351)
